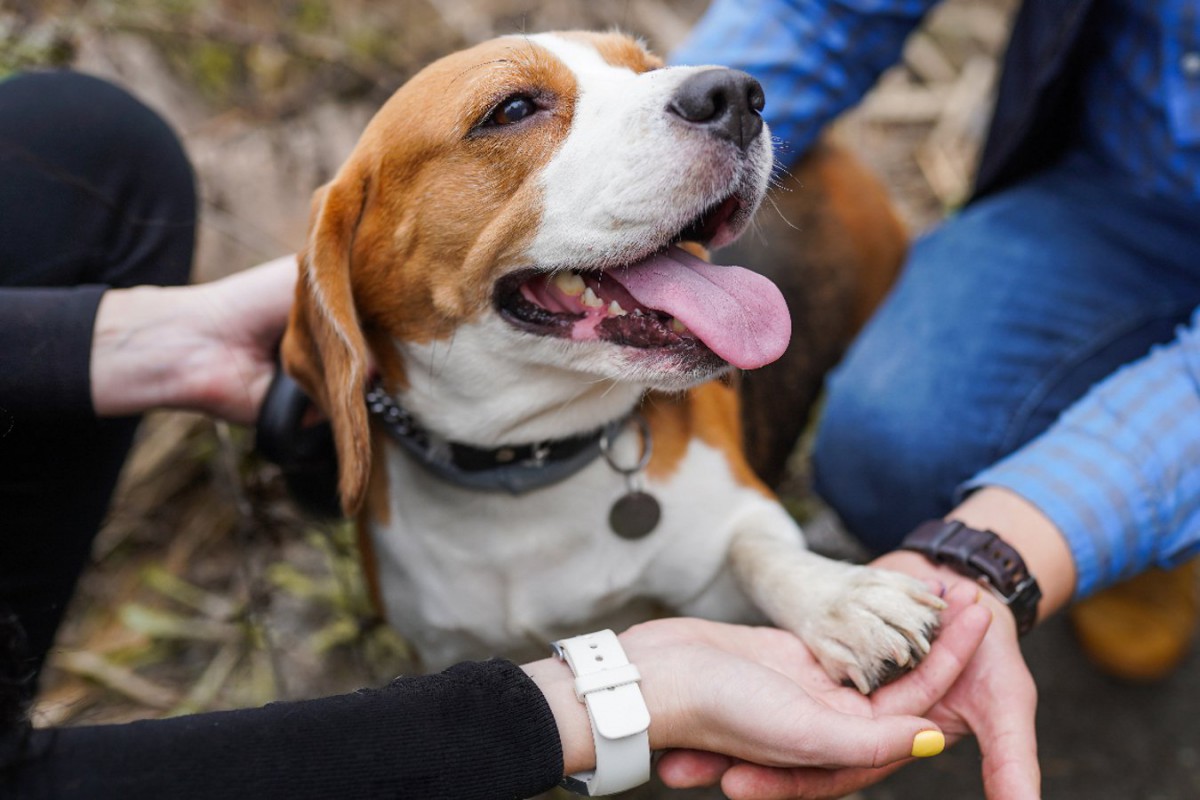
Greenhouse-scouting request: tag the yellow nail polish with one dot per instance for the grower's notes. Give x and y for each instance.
(928, 743)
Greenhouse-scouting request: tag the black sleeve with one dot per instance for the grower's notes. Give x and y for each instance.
(46, 350)
(477, 730)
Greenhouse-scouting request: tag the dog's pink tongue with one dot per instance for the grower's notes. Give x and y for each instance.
(740, 315)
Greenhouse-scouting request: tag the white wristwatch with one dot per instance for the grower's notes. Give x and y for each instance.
(607, 684)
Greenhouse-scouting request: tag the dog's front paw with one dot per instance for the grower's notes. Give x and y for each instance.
(872, 625)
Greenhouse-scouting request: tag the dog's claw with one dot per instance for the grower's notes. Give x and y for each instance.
(860, 681)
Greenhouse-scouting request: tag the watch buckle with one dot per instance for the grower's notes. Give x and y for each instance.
(1020, 590)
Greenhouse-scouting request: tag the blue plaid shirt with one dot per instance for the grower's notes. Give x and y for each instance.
(1119, 473)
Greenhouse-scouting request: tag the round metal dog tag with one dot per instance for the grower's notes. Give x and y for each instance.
(635, 515)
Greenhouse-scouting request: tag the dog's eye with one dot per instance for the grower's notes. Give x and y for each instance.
(512, 109)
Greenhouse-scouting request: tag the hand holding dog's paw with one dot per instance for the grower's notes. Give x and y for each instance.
(871, 625)
(864, 625)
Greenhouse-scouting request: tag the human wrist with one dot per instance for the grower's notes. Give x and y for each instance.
(557, 684)
(1031, 533)
(1040, 549)
(136, 347)
(176, 347)
(652, 654)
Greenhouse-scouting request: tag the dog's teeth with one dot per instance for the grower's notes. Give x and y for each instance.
(569, 283)
(615, 310)
(678, 326)
(590, 299)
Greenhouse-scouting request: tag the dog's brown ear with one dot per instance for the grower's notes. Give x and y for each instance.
(323, 347)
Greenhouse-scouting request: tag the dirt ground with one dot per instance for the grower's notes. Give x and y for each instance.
(208, 590)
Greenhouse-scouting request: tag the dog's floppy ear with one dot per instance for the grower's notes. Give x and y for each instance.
(323, 347)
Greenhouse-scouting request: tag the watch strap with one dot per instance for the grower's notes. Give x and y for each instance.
(982, 555)
(607, 684)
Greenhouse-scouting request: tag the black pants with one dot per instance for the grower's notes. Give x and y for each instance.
(95, 191)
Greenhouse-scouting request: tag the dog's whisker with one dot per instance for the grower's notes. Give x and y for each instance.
(782, 216)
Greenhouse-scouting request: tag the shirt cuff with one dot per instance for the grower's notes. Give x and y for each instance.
(46, 357)
(1116, 473)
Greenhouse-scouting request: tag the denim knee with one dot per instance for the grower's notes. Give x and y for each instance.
(885, 464)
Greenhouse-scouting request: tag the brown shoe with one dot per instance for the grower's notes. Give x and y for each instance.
(1142, 629)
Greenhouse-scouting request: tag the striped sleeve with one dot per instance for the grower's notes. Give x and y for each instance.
(1119, 473)
(814, 58)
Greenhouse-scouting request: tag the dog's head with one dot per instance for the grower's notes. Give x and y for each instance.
(522, 200)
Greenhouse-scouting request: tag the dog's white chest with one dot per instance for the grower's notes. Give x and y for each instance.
(468, 574)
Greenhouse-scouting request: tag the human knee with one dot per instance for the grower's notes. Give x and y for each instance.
(104, 118)
(885, 462)
(130, 158)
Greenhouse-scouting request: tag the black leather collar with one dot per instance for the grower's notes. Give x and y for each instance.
(515, 469)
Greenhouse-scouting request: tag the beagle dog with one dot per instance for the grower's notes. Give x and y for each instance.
(507, 262)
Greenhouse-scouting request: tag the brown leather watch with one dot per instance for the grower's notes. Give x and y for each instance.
(985, 557)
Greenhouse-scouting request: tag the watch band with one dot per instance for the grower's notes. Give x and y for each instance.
(607, 684)
(984, 556)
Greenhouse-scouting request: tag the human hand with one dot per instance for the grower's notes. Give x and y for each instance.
(208, 347)
(994, 697)
(965, 622)
(758, 695)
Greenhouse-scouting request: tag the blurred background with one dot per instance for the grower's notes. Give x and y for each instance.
(209, 590)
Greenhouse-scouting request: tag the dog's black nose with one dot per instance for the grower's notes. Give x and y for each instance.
(725, 101)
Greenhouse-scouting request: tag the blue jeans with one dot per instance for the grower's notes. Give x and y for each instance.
(1004, 316)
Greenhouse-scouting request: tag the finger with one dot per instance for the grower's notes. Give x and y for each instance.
(688, 769)
(832, 739)
(1008, 741)
(745, 781)
(952, 651)
(761, 716)
(961, 595)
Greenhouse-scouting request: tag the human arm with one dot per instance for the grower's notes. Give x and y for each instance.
(1109, 490)
(477, 730)
(491, 729)
(91, 350)
(814, 59)
(1114, 478)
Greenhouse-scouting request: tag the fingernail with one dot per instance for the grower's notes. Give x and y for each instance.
(928, 743)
